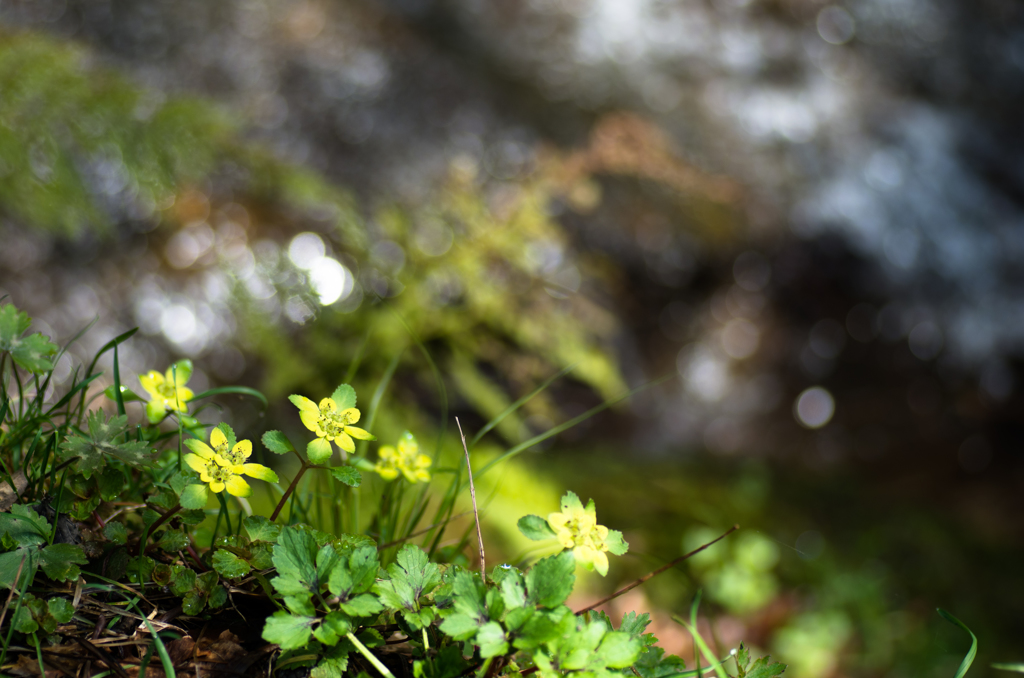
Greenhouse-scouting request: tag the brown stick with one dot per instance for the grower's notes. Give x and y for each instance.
(476, 514)
(288, 492)
(661, 569)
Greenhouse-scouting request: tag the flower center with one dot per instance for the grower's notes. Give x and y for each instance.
(332, 422)
(233, 457)
(217, 472)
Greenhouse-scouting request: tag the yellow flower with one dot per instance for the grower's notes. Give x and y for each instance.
(222, 466)
(167, 392)
(330, 423)
(576, 528)
(406, 459)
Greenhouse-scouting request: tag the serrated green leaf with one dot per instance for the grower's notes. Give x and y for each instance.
(34, 352)
(491, 640)
(743, 658)
(116, 532)
(535, 528)
(766, 668)
(570, 502)
(319, 451)
(229, 433)
(24, 526)
(364, 605)
(618, 650)
(411, 576)
(61, 609)
(261, 529)
(173, 541)
(183, 580)
(13, 324)
(192, 516)
(616, 544)
(140, 569)
(347, 475)
(332, 663)
(229, 565)
(110, 483)
(194, 497)
(513, 590)
(294, 559)
(549, 582)
(650, 664)
(460, 626)
(338, 624)
(60, 561)
(103, 443)
(289, 631)
(344, 397)
(277, 442)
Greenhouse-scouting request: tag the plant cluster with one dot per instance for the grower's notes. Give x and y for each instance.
(100, 512)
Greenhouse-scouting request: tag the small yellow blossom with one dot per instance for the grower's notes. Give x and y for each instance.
(223, 465)
(576, 528)
(167, 391)
(330, 423)
(405, 459)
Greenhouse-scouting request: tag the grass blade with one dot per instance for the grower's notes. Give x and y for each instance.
(237, 390)
(1018, 667)
(969, 657)
(519, 403)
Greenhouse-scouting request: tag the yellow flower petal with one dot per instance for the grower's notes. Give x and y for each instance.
(387, 472)
(310, 421)
(351, 415)
(244, 448)
(238, 487)
(196, 463)
(215, 485)
(217, 438)
(151, 381)
(259, 471)
(200, 448)
(358, 433)
(345, 443)
(327, 405)
(304, 404)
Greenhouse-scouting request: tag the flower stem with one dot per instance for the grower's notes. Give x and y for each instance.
(369, 656)
(288, 492)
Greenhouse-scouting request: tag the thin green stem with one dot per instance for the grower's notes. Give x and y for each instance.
(370, 657)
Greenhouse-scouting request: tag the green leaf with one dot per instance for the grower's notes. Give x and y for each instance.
(616, 544)
(229, 565)
(766, 668)
(652, 665)
(411, 576)
(34, 352)
(347, 475)
(289, 631)
(619, 650)
(332, 663)
(460, 626)
(513, 590)
(229, 433)
(24, 526)
(491, 639)
(277, 442)
(972, 652)
(12, 560)
(13, 324)
(535, 528)
(194, 496)
(61, 609)
(116, 532)
(571, 501)
(60, 561)
(294, 559)
(103, 443)
(549, 582)
(364, 605)
(344, 397)
(447, 663)
(173, 541)
(260, 528)
(319, 451)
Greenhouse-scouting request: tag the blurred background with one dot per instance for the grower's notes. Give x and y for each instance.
(808, 216)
